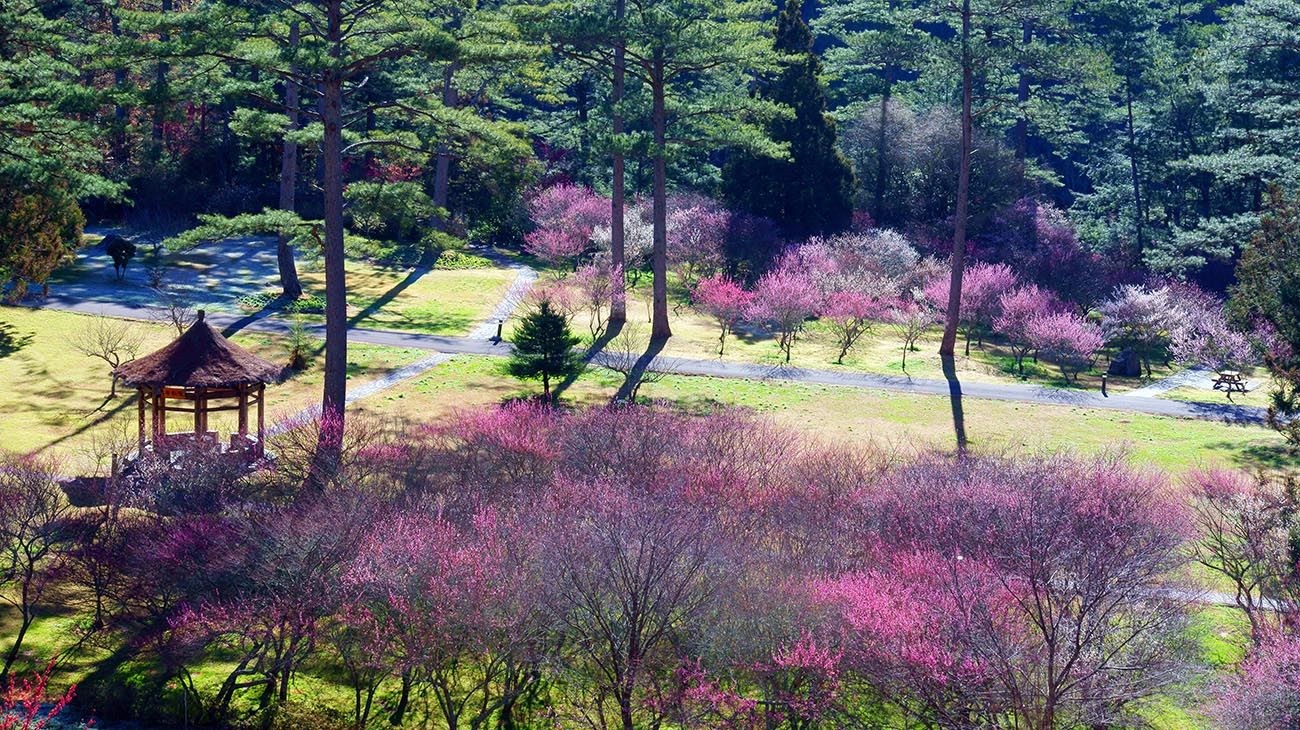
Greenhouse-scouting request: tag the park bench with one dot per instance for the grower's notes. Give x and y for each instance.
(1230, 381)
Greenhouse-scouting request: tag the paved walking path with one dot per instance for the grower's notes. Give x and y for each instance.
(525, 276)
(1190, 376)
(479, 344)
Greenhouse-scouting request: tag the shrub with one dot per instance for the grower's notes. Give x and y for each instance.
(306, 304)
(452, 260)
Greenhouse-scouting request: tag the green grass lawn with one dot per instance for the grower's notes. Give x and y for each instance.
(1257, 397)
(890, 419)
(56, 399)
(436, 302)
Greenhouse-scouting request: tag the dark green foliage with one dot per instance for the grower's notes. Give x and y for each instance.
(308, 304)
(812, 191)
(39, 230)
(1268, 288)
(395, 211)
(544, 348)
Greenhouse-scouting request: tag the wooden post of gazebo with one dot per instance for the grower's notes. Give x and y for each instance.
(201, 372)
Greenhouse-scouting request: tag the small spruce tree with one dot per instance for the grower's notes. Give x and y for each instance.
(544, 348)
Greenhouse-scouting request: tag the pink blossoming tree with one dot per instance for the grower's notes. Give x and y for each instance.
(724, 300)
(1066, 338)
(981, 290)
(1017, 308)
(849, 315)
(1266, 691)
(564, 216)
(784, 298)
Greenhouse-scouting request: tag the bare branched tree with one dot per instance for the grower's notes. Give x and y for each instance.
(114, 341)
(175, 307)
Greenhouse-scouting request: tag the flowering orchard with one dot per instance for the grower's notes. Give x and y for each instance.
(525, 565)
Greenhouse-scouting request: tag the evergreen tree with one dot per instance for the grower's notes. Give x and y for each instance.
(811, 192)
(1256, 133)
(544, 348)
(870, 63)
(1268, 288)
(48, 150)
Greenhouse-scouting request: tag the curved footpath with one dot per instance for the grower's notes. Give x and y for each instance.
(479, 343)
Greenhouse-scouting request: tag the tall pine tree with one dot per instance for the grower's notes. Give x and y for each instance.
(811, 192)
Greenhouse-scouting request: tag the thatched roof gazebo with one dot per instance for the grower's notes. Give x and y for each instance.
(197, 369)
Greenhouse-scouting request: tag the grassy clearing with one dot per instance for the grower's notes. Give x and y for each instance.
(1257, 397)
(886, 418)
(434, 302)
(880, 351)
(56, 399)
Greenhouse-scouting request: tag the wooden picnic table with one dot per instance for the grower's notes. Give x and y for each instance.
(1230, 381)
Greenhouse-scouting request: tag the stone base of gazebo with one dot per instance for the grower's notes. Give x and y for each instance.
(244, 444)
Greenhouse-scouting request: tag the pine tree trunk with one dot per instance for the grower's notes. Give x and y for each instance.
(442, 168)
(618, 257)
(659, 328)
(882, 141)
(121, 148)
(160, 83)
(289, 283)
(948, 346)
(1022, 96)
(336, 326)
(1138, 217)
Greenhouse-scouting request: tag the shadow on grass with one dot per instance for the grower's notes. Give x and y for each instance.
(638, 371)
(11, 340)
(382, 300)
(104, 416)
(611, 331)
(1269, 457)
(954, 398)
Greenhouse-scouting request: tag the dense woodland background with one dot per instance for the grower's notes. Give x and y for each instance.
(1155, 126)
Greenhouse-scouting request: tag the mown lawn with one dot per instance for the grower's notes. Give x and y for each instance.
(436, 302)
(55, 399)
(886, 418)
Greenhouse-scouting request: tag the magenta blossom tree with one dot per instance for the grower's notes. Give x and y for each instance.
(446, 605)
(784, 298)
(564, 216)
(1016, 309)
(697, 234)
(721, 298)
(1266, 691)
(981, 290)
(849, 315)
(1066, 338)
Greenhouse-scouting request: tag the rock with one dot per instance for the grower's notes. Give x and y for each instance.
(1126, 363)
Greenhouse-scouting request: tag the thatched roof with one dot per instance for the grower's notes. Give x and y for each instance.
(201, 357)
